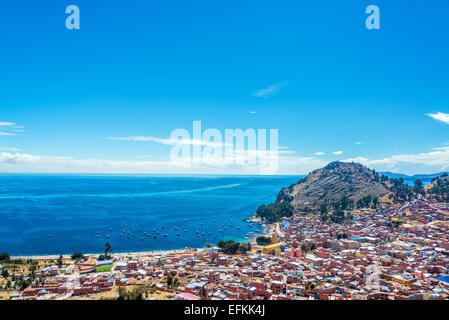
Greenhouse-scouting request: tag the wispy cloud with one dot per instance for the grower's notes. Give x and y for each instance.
(9, 149)
(288, 164)
(6, 124)
(440, 116)
(9, 128)
(435, 160)
(271, 90)
(337, 152)
(424, 162)
(358, 143)
(169, 142)
(319, 153)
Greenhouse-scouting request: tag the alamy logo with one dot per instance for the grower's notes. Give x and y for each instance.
(239, 147)
(73, 20)
(373, 20)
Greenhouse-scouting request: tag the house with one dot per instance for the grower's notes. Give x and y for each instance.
(103, 266)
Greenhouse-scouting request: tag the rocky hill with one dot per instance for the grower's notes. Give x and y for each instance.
(332, 182)
(439, 188)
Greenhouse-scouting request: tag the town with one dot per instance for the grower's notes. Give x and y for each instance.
(395, 252)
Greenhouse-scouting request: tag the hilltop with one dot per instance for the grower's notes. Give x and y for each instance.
(439, 188)
(414, 177)
(334, 181)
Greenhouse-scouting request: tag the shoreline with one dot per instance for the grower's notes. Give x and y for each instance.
(251, 239)
(119, 254)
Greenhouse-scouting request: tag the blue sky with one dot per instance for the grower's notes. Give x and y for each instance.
(310, 69)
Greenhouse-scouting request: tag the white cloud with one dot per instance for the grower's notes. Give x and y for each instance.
(426, 162)
(359, 143)
(271, 90)
(9, 149)
(440, 116)
(6, 124)
(253, 112)
(10, 128)
(319, 153)
(337, 152)
(288, 164)
(436, 160)
(14, 158)
(170, 142)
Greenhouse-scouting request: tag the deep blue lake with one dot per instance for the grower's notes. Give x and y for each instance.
(73, 208)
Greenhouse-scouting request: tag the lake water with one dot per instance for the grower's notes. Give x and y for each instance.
(72, 209)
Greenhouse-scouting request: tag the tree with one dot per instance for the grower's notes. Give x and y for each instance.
(176, 282)
(232, 247)
(375, 202)
(108, 249)
(4, 256)
(419, 187)
(5, 273)
(263, 241)
(304, 248)
(169, 279)
(77, 255)
(60, 261)
(342, 236)
(338, 216)
(275, 211)
(310, 286)
(172, 282)
(244, 248)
